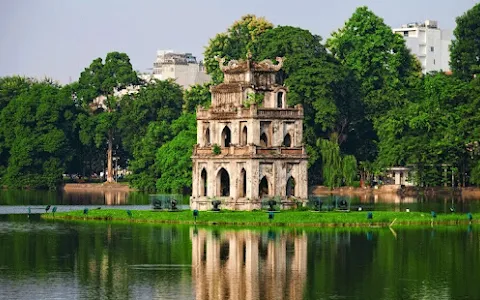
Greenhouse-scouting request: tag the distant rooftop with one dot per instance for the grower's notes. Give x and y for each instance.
(170, 57)
(427, 24)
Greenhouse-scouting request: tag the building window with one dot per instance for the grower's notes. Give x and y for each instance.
(263, 188)
(432, 49)
(203, 187)
(291, 187)
(243, 183)
(244, 136)
(279, 99)
(287, 141)
(207, 137)
(226, 137)
(223, 183)
(405, 33)
(263, 140)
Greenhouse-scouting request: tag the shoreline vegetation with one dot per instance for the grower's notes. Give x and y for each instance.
(281, 219)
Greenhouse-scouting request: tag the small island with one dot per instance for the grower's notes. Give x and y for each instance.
(287, 218)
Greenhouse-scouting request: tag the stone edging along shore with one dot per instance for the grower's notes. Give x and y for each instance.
(97, 187)
(281, 219)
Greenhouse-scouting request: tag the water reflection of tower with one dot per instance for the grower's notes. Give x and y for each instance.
(248, 265)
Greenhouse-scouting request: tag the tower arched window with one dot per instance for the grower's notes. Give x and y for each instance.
(223, 183)
(226, 137)
(263, 140)
(244, 135)
(280, 100)
(243, 183)
(207, 137)
(291, 187)
(203, 183)
(263, 188)
(287, 141)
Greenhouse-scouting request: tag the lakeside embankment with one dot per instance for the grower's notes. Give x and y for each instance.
(260, 218)
(98, 187)
(468, 192)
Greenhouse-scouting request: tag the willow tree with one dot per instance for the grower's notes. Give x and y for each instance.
(332, 162)
(98, 87)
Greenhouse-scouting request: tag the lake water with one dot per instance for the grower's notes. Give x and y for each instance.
(18, 201)
(100, 260)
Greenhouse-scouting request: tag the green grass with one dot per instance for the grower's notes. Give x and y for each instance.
(260, 218)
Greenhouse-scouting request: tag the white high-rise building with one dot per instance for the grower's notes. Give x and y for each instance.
(429, 44)
(183, 67)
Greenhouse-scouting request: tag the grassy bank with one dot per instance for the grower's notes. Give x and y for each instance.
(260, 218)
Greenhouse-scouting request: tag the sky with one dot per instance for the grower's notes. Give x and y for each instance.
(60, 38)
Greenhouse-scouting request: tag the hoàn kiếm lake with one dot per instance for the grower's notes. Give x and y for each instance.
(100, 260)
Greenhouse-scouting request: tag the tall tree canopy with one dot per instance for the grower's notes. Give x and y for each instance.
(157, 101)
(36, 134)
(100, 82)
(326, 89)
(389, 75)
(145, 126)
(197, 95)
(465, 48)
(174, 162)
(233, 44)
(433, 132)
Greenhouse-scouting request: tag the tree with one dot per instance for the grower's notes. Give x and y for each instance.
(174, 161)
(197, 95)
(332, 163)
(158, 101)
(326, 89)
(233, 44)
(337, 170)
(36, 132)
(389, 75)
(10, 88)
(102, 82)
(144, 125)
(431, 134)
(465, 48)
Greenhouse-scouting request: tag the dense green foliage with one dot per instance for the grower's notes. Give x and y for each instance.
(367, 107)
(36, 133)
(103, 80)
(233, 44)
(197, 95)
(173, 160)
(387, 74)
(465, 48)
(432, 132)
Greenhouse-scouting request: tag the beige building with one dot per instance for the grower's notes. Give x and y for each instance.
(249, 142)
(183, 67)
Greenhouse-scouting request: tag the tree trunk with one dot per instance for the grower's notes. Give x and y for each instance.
(109, 156)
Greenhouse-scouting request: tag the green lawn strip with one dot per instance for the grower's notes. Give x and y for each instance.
(260, 218)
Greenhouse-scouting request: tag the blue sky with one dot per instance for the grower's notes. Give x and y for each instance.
(59, 38)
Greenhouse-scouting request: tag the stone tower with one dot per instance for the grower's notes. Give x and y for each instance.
(249, 142)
